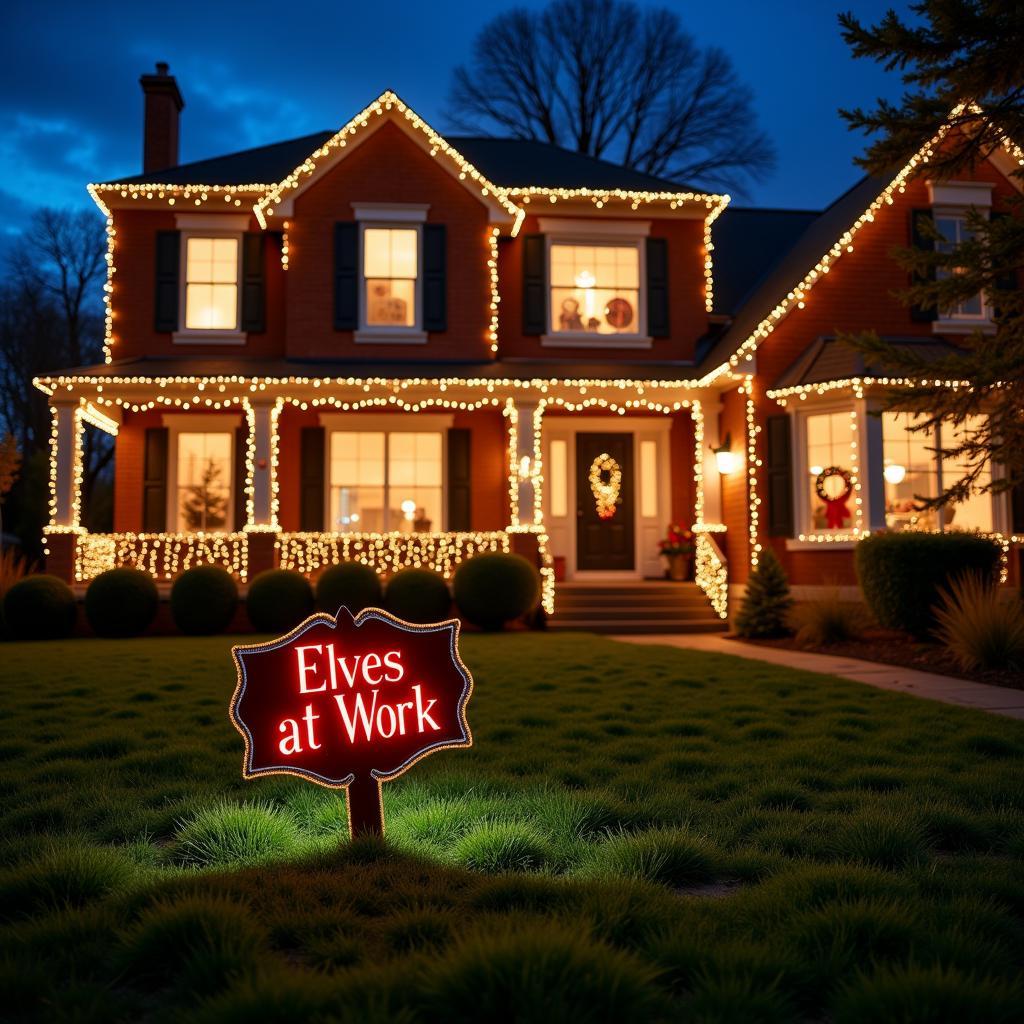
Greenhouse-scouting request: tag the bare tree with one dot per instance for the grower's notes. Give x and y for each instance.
(610, 80)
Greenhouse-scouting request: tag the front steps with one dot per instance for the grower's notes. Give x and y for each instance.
(640, 606)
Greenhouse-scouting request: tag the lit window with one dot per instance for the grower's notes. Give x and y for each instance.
(203, 481)
(595, 289)
(389, 271)
(386, 481)
(830, 441)
(211, 284)
(954, 230)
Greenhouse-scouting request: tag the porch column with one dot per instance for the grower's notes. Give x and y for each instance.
(526, 463)
(262, 415)
(712, 479)
(66, 466)
(872, 464)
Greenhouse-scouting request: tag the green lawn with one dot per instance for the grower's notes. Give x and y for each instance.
(639, 833)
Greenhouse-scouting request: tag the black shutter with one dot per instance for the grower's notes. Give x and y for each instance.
(168, 268)
(154, 481)
(311, 514)
(346, 275)
(779, 475)
(253, 283)
(459, 489)
(657, 287)
(921, 240)
(1017, 509)
(238, 477)
(535, 289)
(435, 283)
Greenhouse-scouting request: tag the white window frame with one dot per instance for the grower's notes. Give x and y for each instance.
(356, 423)
(618, 234)
(410, 216)
(186, 424)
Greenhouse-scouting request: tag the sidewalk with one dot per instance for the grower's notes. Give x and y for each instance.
(998, 700)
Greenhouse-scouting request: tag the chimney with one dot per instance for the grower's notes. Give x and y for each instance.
(160, 127)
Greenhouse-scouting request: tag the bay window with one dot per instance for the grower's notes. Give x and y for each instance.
(203, 481)
(211, 283)
(595, 288)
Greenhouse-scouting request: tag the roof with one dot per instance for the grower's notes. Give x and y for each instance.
(509, 163)
(748, 243)
(829, 359)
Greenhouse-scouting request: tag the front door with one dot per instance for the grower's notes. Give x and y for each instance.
(604, 502)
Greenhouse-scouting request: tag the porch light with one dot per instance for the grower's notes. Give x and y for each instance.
(894, 473)
(727, 461)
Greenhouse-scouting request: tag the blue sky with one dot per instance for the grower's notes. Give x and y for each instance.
(71, 107)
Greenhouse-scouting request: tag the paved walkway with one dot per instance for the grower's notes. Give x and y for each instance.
(998, 700)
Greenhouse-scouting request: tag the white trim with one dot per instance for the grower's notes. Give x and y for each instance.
(572, 339)
(594, 228)
(391, 333)
(219, 223)
(964, 325)
(960, 194)
(391, 213)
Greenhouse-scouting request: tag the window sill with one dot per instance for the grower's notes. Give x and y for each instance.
(963, 326)
(208, 338)
(585, 340)
(369, 336)
(846, 544)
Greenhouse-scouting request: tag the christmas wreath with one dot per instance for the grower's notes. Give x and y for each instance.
(605, 491)
(836, 508)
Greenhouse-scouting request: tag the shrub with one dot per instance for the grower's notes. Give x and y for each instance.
(496, 588)
(979, 626)
(278, 600)
(828, 620)
(901, 574)
(766, 603)
(203, 600)
(352, 584)
(418, 595)
(39, 608)
(121, 602)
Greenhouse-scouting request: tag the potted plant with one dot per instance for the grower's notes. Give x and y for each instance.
(677, 547)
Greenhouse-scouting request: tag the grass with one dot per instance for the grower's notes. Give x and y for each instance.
(637, 834)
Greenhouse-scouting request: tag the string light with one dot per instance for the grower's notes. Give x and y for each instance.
(163, 555)
(492, 271)
(753, 464)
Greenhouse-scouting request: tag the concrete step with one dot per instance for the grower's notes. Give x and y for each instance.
(688, 600)
(709, 625)
(632, 612)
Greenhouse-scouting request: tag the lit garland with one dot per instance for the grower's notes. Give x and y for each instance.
(161, 192)
(710, 572)
(606, 493)
(91, 415)
(163, 555)
(857, 385)
(492, 272)
(286, 249)
(753, 464)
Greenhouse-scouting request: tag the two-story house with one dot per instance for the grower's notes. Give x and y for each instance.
(384, 344)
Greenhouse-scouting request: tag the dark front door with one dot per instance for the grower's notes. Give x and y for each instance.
(604, 484)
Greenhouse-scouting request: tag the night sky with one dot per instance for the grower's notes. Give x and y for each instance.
(71, 106)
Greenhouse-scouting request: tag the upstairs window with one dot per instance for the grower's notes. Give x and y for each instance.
(390, 274)
(954, 231)
(211, 283)
(595, 289)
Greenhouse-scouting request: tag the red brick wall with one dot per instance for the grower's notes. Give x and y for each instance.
(129, 467)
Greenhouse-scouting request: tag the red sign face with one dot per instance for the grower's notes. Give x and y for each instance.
(351, 702)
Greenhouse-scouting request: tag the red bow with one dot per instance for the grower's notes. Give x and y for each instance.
(836, 510)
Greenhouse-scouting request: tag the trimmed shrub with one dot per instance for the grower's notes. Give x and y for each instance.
(981, 627)
(121, 602)
(39, 608)
(766, 602)
(203, 600)
(901, 574)
(496, 588)
(278, 600)
(352, 584)
(418, 595)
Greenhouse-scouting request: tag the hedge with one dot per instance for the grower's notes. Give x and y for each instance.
(39, 607)
(278, 600)
(492, 589)
(203, 600)
(901, 574)
(121, 602)
(353, 585)
(418, 595)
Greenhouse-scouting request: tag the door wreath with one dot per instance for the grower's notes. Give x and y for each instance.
(605, 484)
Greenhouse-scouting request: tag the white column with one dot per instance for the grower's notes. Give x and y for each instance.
(65, 472)
(528, 446)
(263, 442)
(711, 406)
(872, 463)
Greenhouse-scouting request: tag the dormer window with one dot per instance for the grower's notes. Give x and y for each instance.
(595, 288)
(211, 283)
(954, 231)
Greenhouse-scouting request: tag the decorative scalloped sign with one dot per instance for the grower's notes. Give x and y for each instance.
(350, 703)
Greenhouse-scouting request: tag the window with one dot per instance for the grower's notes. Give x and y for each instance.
(386, 481)
(595, 289)
(211, 284)
(203, 481)
(829, 438)
(954, 230)
(390, 269)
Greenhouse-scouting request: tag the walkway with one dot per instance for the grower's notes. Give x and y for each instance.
(998, 700)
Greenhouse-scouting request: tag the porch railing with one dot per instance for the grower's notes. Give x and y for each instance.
(162, 555)
(711, 569)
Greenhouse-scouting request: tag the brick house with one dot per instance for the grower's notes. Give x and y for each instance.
(384, 344)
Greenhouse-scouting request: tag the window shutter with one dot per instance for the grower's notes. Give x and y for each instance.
(168, 270)
(435, 283)
(534, 285)
(253, 283)
(346, 275)
(657, 287)
(154, 481)
(459, 489)
(238, 478)
(311, 513)
(1017, 509)
(921, 241)
(779, 474)
(1007, 281)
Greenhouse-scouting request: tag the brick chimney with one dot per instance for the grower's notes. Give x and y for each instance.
(160, 127)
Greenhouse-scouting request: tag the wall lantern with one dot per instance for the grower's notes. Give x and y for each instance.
(727, 461)
(894, 473)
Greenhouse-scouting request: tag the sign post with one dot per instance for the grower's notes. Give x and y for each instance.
(350, 703)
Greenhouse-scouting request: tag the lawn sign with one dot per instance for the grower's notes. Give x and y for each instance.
(350, 703)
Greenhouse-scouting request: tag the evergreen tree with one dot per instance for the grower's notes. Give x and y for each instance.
(766, 603)
(965, 58)
(205, 505)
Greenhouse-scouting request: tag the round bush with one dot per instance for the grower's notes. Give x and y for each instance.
(418, 595)
(493, 589)
(901, 574)
(203, 600)
(121, 602)
(352, 584)
(278, 600)
(39, 608)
